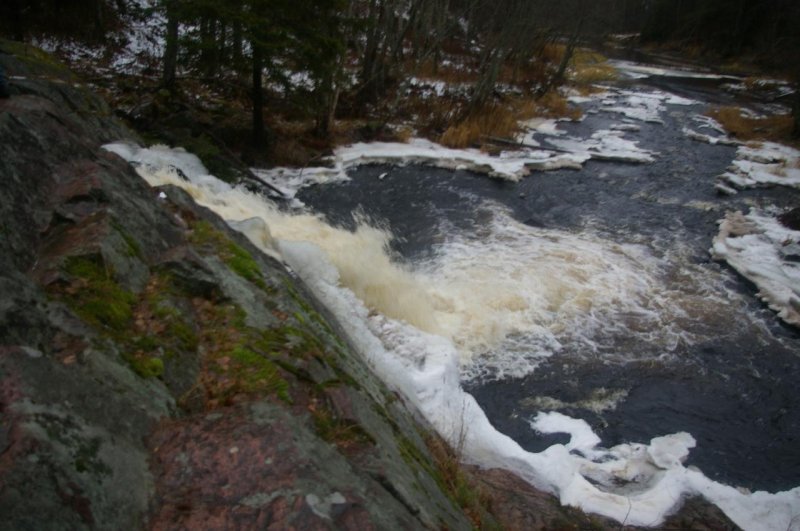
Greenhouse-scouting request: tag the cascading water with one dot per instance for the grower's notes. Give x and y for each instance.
(547, 324)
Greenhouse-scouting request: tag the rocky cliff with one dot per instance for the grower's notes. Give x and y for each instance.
(156, 370)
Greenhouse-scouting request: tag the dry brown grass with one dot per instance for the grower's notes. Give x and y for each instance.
(493, 120)
(404, 134)
(744, 127)
(586, 66)
(552, 52)
(473, 500)
(501, 120)
(554, 105)
(590, 74)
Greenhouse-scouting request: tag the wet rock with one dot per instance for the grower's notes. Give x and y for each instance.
(517, 505)
(791, 252)
(791, 219)
(157, 370)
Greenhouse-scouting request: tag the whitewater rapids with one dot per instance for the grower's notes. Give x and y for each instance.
(493, 305)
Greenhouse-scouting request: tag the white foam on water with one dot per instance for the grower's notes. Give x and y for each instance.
(598, 401)
(419, 327)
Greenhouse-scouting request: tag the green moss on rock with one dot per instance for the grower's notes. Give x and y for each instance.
(96, 297)
(258, 374)
(234, 256)
(147, 366)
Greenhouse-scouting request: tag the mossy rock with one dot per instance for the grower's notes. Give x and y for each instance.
(95, 296)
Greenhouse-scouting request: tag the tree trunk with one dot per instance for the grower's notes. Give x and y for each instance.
(371, 69)
(796, 112)
(171, 48)
(486, 84)
(738, 29)
(237, 43)
(327, 113)
(558, 77)
(210, 48)
(99, 20)
(17, 20)
(259, 135)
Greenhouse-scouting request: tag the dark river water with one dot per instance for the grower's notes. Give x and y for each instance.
(734, 386)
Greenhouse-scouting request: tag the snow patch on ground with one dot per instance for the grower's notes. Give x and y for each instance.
(763, 164)
(765, 252)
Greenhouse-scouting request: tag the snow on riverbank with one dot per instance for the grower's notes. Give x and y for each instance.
(137, 47)
(508, 165)
(763, 164)
(642, 71)
(765, 252)
(716, 133)
(543, 146)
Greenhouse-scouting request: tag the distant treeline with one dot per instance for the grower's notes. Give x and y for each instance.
(361, 48)
(768, 30)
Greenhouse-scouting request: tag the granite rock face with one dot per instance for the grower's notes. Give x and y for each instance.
(157, 371)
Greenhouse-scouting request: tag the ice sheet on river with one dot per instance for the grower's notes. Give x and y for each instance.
(763, 164)
(638, 484)
(642, 71)
(715, 133)
(640, 105)
(765, 252)
(509, 165)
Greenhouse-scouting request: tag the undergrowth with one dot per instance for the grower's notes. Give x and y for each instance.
(493, 120)
(502, 120)
(744, 126)
(444, 466)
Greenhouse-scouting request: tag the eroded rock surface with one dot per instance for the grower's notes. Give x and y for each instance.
(157, 371)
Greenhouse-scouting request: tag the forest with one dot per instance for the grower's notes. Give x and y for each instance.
(320, 60)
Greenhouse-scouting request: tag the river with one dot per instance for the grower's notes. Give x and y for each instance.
(611, 360)
(720, 366)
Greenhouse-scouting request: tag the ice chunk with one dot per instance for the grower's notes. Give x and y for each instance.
(764, 164)
(753, 245)
(671, 450)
